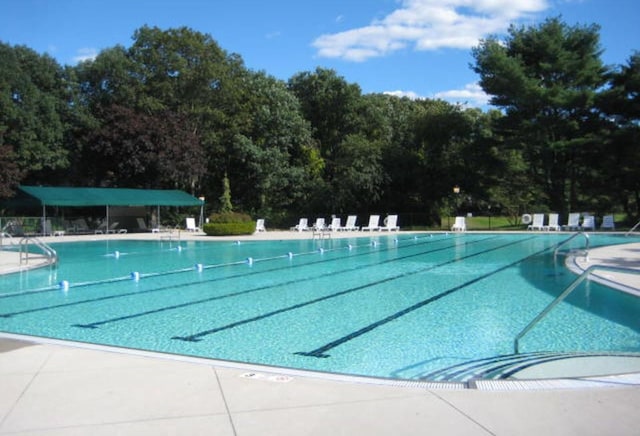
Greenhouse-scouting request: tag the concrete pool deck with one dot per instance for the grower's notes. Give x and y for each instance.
(58, 388)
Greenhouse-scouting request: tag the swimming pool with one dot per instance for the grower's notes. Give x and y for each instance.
(407, 306)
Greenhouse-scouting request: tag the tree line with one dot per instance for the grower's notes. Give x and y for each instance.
(175, 110)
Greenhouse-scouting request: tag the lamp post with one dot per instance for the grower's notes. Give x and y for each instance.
(456, 193)
(201, 211)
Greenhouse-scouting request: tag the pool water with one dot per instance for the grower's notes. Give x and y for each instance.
(404, 306)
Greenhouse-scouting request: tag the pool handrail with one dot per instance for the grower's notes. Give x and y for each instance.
(49, 252)
(632, 229)
(575, 235)
(568, 290)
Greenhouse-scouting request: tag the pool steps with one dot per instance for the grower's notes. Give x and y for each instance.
(507, 366)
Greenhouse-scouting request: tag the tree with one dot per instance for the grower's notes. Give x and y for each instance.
(34, 109)
(546, 79)
(10, 174)
(620, 105)
(132, 149)
(271, 158)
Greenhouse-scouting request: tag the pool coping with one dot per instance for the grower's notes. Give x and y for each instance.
(586, 382)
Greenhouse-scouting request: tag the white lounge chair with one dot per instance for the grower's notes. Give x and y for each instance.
(390, 223)
(538, 222)
(319, 225)
(553, 222)
(260, 226)
(573, 222)
(460, 224)
(335, 224)
(608, 223)
(351, 224)
(143, 226)
(301, 226)
(374, 223)
(79, 226)
(191, 225)
(588, 222)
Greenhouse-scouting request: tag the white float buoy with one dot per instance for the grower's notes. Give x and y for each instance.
(179, 248)
(350, 247)
(199, 267)
(320, 250)
(290, 254)
(64, 285)
(135, 276)
(116, 254)
(250, 260)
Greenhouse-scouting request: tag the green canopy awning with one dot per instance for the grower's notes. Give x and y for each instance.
(78, 197)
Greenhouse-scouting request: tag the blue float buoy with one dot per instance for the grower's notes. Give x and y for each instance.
(135, 276)
(64, 285)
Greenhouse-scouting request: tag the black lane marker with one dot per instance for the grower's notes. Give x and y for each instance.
(320, 352)
(260, 288)
(164, 288)
(197, 336)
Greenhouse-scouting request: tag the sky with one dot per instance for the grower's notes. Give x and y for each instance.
(415, 48)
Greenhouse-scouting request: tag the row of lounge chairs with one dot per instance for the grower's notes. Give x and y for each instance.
(573, 222)
(390, 223)
(537, 222)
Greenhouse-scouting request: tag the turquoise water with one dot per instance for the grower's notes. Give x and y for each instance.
(400, 306)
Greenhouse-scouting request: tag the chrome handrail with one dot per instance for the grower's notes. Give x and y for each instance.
(575, 235)
(632, 229)
(581, 278)
(49, 252)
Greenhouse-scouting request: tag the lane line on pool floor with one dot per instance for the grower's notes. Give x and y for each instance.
(321, 351)
(198, 336)
(171, 287)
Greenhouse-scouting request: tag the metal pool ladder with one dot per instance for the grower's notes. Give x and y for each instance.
(50, 253)
(581, 278)
(575, 235)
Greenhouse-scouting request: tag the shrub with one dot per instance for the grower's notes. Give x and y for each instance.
(230, 217)
(229, 224)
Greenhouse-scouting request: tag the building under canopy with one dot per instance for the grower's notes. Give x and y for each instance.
(30, 196)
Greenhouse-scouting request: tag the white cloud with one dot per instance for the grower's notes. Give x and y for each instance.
(427, 25)
(409, 94)
(85, 54)
(471, 95)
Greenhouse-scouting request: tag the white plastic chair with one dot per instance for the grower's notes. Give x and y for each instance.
(191, 225)
(538, 222)
(460, 225)
(390, 223)
(374, 221)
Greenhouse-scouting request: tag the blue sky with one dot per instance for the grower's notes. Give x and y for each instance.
(419, 48)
